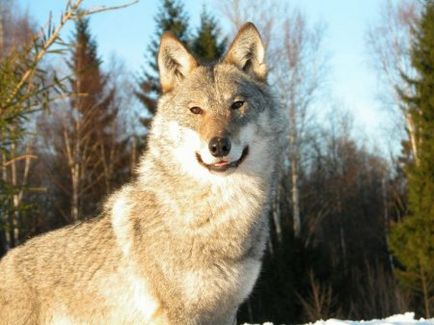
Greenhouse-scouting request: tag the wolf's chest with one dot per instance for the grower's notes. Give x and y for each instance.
(222, 284)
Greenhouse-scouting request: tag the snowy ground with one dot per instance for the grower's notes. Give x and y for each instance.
(405, 319)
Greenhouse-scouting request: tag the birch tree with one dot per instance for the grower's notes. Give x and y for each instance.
(299, 79)
(389, 45)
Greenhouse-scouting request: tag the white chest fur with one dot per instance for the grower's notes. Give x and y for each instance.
(134, 304)
(221, 284)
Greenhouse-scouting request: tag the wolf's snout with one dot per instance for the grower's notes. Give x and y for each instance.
(219, 147)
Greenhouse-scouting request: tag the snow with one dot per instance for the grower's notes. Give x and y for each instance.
(403, 319)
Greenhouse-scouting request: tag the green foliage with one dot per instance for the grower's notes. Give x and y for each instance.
(87, 82)
(412, 241)
(18, 98)
(170, 17)
(206, 45)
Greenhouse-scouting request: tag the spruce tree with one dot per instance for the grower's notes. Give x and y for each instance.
(412, 240)
(170, 17)
(206, 44)
(88, 83)
(88, 154)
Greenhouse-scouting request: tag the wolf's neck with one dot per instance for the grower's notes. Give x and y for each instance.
(199, 204)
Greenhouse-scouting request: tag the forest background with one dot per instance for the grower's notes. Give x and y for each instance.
(352, 223)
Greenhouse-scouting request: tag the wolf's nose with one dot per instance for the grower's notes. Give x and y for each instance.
(219, 147)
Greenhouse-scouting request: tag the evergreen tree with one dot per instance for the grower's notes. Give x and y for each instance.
(170, 17)
(412, 241)
(88, 81)
(206, 45)
(85, 137)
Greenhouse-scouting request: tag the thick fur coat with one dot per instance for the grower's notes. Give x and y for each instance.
(183, 243)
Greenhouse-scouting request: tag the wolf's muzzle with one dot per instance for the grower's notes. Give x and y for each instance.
(219, 167)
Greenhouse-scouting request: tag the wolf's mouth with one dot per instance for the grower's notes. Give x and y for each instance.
(223, 165)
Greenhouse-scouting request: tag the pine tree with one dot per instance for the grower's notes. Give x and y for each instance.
(412, 241)
(170, 17)
(88, 82)
(206, 45)
(88, 154)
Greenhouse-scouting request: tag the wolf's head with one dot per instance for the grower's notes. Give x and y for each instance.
(220, 118)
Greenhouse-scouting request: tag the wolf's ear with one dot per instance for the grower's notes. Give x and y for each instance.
(174, 61)
(247, 52)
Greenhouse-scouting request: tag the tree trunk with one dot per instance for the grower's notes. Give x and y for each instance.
(6, 212)
(412, 135)
(295, 196)
(75, 201)
(71, 154)
(133, 155)
(425, 292)
(15, 215)
(384, 195)
(294, 162)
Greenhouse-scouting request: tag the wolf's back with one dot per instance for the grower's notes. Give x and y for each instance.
(50, 271)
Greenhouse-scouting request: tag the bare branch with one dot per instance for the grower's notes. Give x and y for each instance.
(21, 157)
(105, 8)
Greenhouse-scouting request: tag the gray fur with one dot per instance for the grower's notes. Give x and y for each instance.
(181, 244)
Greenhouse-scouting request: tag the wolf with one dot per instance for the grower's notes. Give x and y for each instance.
(182, 243)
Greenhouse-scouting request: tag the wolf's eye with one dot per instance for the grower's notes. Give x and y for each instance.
(237, 104)
(196, 110)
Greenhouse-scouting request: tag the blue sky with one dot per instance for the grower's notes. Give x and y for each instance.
(127, 32)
